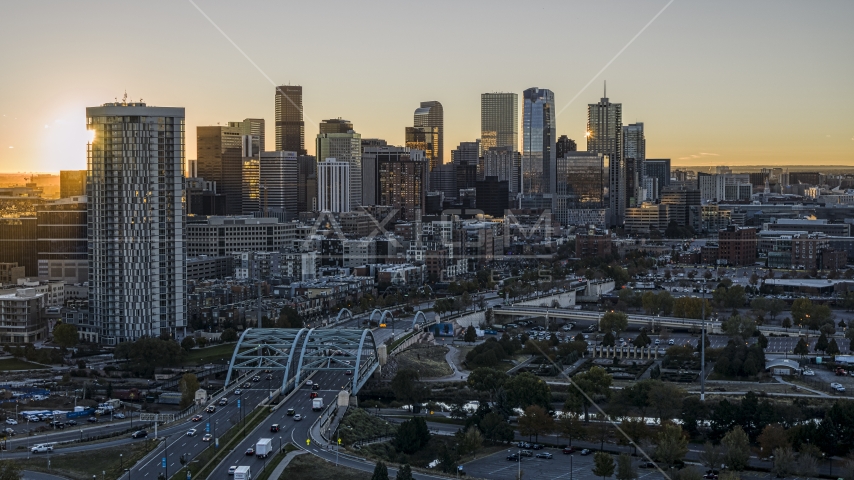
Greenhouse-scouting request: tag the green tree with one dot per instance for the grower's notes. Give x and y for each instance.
(608, 340)
(690, 307)
(188, 343)
(591, 384)
(665, 399)
(470, 441)
(487, 380)
(614, 321)
(642, 340)
(404, 472)
(712, 456)
(535, 422)
(801, 349)
(380, 471)
(671, 444)
(147, 354)
(228, 335)
(528, 389)
(571, 427)
(496, 428)
(738, 326)
(801, 309)
(736, 449)
(471, 335)
(625, 469)
(65, 335)
(787, 323)
(603, 465)
(406, 387)
(412, 435)
(821, 343)
(784, 461)
(10, 471)
(832, 347)
(188, 385)
(290, 318)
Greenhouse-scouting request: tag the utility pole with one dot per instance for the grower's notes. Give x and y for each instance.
(703, 346)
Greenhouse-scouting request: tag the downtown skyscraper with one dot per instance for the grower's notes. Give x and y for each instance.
(290, 127)
(605, 136)
(634, 154)
(338, 140)
(538, 142)
(499, 120)
(428, 116)
(137, 252)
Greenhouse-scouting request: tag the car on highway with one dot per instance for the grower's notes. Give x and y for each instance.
(139, 434)
(269, 376)
(309, 383)
(569, 450)
(71, 422)
(41, 448)
(11, 421)
(348, 372)
(210, 409)
(315, 387)
(657, 341)
(513, 457)
(586, 451)
(197, 418)
(250, 451)
(546, 455)
(192, 432)
(238, 391)
(223, 401)
(93, 420)
(207, 438)
(56, 424)
(247, 385)
(291, 412)
(231, 469)
(297, 417)
(119, 415)
(274, 427)
(256, 378)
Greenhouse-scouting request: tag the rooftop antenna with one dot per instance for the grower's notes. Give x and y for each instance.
(125, 98)
(606, 88)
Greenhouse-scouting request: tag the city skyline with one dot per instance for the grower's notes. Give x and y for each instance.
(693, 94)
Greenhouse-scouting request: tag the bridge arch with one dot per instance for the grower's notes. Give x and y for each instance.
(338, 318)
(415, 318)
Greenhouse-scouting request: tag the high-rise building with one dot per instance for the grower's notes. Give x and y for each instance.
(634, 149)
(444, 179)
(219, 155)
(18, 243)
(279, 190)
(62, 242)
(581, 183)
(658, 168)
(492, 196)
(538, 142)
(466, 159)
(336, 125)
(72, 183)
(254, 127)
(290, 128)
(499, 120)
(333, 186)
(432, 115)
(396, 177)
(425, 139)
(604, 135)
(137, 251)
(306, 183)
(344, 147)
(565, 144)
(504, 163)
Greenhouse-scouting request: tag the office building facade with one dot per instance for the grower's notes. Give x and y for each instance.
(658, 168)
(344, 147)
(499, 120)
(634, 153)
(538, 142)
(504, 163)
(425, 139)
(62, 240)
(279, 190)
(307, 183)
(290, 128)
(565, 144)
(254, 127)
(333, 186)
(431, 115)
(72, 183)
(581, 183)
(604, 135)
(219, 157)
(135, 185)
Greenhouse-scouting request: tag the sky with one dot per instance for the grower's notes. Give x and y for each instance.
(758, 82)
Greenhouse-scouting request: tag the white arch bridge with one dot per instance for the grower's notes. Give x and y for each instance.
(298, 352)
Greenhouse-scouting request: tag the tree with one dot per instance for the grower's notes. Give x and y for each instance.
(665, 399)
(528, 389)
(642, 340)
(411, 435)
(690, 307)
(712, 456)
(608, 340)
(471, 335)
(775, 307)
(832, 347)
(187, 344)
(773, 436)
(404, 472)
(470, 441)
(625, 469)
(821, 343)
(147, 354)
(671, 444)
(801, 310)
(380, 471)
(487, 380)
(405, 386)
(736, 449)
(636, 430)
(801, 349)
(784, 461)
(536, 421)
(787, 323)
(188, 385)
(570, 426)
(593, 383)
(614, 321)
(228, 335)
(738, 326)
(65, 334)
(496, 428)
(10, 471)
(603, 465)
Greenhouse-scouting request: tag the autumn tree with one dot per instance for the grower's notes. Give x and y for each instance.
(671, 444)
(593, 383)
(188, 385)
(614, 321)
(536, 421)
(773, 436)
(603, 465)
(736, 448)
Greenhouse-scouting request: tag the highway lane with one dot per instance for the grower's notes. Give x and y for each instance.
(331, 383)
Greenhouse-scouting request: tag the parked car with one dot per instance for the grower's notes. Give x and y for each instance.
(513, 457)
(71, 423)
(526, 453)
(11, 421)
(93, 420)
(545, 455)
(569, 450)
(537, 446)
(809, 372)
(586, 452)
(647, 465)
(119, 415)
(139, 434)
(57, 424)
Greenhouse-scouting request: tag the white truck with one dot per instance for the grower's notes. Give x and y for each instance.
(264, 447)
(317, 404)
(243, 473)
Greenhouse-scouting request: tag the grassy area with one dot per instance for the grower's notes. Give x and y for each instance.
(82, 467)
(429, 362)
(400, 340)
(358, 424)
(215, 354)
(15, 364)
(309, 467)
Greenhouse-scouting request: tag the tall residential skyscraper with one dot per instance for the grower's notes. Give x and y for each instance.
(399, 179)
(499, 120)
(634, 148)
(137, 251)
(605, 136)
(344, 147)
(255, 127)
(333, 186)
(581, 184)
(219, 157)
(431, 114)
(427, 140)
(290, 128)
(279, 189)
(538, 142)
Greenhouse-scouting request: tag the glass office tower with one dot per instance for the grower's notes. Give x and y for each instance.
(538, 142)
(499, 120)
(605, 136)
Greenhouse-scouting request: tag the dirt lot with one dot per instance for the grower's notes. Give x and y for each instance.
(309, 467)
(428, 361)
